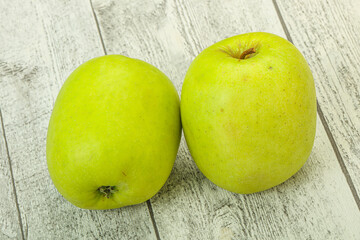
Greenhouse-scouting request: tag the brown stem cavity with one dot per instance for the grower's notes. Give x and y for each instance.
(107, 191)
(239, 52)
(247, 53)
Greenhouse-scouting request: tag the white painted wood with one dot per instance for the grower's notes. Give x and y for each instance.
(9, 221)
(41, 43)
(328, 33)
(315, 204)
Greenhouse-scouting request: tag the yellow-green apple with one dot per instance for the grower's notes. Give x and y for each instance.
(113, 133)
(248, 110)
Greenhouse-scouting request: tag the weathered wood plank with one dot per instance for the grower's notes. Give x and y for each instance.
(10, 227)
(315, 204)
(328, 34)
(41, 43)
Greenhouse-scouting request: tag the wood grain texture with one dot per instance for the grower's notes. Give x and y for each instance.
(41, 43)
(315, 204)
(328, 34)
(10, 227)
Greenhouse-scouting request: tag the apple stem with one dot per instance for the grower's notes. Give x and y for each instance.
(246, 53)
(107, 191)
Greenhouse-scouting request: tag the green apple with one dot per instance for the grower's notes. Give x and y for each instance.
(114, 133)
(248, 109)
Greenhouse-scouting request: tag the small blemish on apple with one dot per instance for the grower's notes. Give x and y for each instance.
(222, 110)
(124, 174)
(270, 67)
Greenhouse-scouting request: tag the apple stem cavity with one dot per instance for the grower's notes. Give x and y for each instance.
(107, 191)
(247, 53)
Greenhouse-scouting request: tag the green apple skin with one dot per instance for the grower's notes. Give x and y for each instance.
(249, 123)
(114, 133)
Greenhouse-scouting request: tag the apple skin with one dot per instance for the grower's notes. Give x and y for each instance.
(116, 125)
(249, 123)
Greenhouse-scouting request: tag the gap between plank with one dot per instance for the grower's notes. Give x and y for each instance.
(12, 176)
(98, 27)
(324, 122)
(148, 201)
(153, 219)
(338, 156)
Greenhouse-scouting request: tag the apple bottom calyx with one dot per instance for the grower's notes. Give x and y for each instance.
(107, 191)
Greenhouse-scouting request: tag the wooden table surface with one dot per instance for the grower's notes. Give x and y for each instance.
(43, 41)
